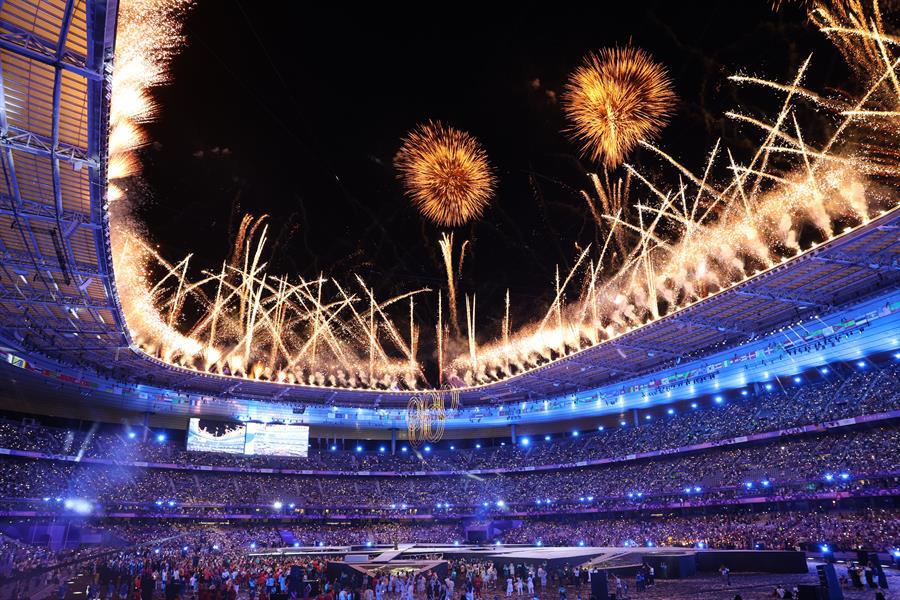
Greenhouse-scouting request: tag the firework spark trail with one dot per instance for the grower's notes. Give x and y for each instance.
(731, 232)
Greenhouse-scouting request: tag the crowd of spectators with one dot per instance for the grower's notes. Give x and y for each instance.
(784, 404)
(862, 461)
(871, 529)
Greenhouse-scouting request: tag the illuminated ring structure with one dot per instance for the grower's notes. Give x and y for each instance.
(426, 415)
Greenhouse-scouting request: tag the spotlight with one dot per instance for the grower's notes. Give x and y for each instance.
(277, 505)
(845, 476)
(403, 449)
(547, 438)
(600, 428)
(131, 435)
(427, 448)
(381, 449)
(824, 370)
(478, 446)
(333, 447)
(694, 405)
(501, 503)
(671, 411)
(524, 441)
(160, 437)
(718, 399)
(359, 448)
(743, 392)
(768, 387)
(575, 433)
(647, 417)
(797, 379)
(861, 364)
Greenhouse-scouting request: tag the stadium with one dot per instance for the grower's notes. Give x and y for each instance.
(599, 304)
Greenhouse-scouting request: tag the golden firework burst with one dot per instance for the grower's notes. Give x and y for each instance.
(615, 99)
(446, 173)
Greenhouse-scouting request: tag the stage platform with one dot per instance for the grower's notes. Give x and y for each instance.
(679, 561)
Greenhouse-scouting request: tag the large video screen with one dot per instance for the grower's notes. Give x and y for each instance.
(277, 440)
(214, 436)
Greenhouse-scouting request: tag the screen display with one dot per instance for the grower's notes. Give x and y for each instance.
(214, 436)
(277, 440)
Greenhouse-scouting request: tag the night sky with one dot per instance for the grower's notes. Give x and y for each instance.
(298, 114)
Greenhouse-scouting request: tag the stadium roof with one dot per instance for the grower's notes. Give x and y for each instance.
(57, 290)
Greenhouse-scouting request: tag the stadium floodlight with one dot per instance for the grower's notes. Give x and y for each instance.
(79, 506)
(277, 505)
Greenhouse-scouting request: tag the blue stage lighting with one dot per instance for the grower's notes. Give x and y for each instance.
(403, 449)
(861, 364)
(671, 411)
(382, 449)
(575, 433)
(797, 379)
(768, 386)
(160, 437)
(427, 448)
(694, 405)
(524, 441)
(131, 435)
(845, 476)
(359, 448)
(547, 438)
(718, 399)
(829, 477)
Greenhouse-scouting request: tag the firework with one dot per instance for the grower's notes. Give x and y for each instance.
(615, 99)
(446, 174)
(668, 242)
